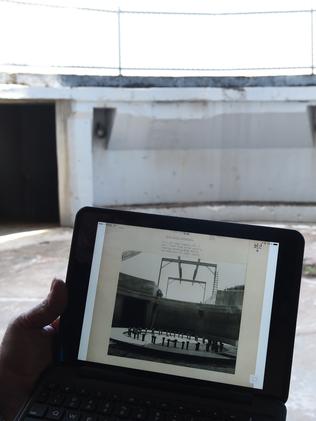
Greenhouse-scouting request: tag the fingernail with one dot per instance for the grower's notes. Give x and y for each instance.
(55, 280)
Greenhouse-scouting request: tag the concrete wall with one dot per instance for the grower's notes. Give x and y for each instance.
(137, 305)
(132, 283)
(230, 298)
(206, 320)
(206, 152)
(211, 321)
(183, 145)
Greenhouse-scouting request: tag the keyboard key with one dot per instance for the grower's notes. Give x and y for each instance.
(236, 417)
(131, 400)
(98, 394)
(89, 418)
(37, 410)
(56, 399)
(105, 407)
(83, 391)
(149, 403)
(66, 388)
(89, 404)
(174, 417)
(215, 414)
(71, 416)
(139, 414)
(30, 419)
(114, 397)
(156, 415)
(51, 386)
(122, 411)
(73, 401)
(106, 418)
(164, 406)
(197, 411)
(179, 407)
(54, 413)
(42, 396)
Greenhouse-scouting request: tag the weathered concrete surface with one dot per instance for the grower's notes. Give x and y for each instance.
(269, 213)
(50, 80)
(245, 140)
(30, 256)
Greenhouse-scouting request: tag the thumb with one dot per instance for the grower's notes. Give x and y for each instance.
(48, 310)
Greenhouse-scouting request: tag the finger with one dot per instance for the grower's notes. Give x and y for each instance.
(55, 324)
(48, 310)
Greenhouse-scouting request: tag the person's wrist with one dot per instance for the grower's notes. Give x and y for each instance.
(2, 392)
(4, 397)
(11, 395)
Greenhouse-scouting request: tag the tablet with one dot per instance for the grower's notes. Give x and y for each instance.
(190, 303)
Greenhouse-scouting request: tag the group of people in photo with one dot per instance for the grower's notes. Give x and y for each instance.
(176, 340)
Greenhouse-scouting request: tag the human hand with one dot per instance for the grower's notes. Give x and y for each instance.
(27, 349)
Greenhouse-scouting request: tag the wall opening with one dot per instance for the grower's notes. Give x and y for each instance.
(28, 163)
(103, 119)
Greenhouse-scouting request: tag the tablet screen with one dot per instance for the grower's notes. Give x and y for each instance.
(180, 303)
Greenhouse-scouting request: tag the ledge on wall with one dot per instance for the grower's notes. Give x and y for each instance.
(238, 212)
(239, 82)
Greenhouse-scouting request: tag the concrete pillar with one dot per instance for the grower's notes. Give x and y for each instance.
(74, 157)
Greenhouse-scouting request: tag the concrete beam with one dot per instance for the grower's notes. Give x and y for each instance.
(189, 94)
(76, 80)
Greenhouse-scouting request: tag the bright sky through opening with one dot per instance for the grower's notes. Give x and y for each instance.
(189, 38)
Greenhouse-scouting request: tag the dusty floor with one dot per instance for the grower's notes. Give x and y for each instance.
(30, 256)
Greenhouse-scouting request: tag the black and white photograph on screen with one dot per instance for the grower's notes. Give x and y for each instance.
(178, 310)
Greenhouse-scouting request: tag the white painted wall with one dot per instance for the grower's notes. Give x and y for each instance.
(204, 151)
(202, 124)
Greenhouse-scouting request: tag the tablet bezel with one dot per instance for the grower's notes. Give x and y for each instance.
(285, 299)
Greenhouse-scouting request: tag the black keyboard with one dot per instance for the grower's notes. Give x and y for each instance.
(70, 403)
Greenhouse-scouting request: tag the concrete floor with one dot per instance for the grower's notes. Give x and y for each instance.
(30, 256)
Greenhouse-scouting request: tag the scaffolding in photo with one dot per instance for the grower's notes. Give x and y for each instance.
(212, 268)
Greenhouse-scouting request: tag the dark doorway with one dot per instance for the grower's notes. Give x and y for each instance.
(28, 163)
